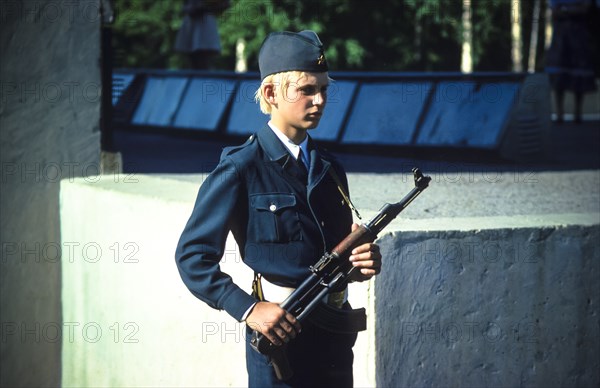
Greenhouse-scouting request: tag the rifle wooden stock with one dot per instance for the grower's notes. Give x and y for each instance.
(332, 272)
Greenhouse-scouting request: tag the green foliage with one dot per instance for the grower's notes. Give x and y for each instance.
(376, 35)
(144, 33)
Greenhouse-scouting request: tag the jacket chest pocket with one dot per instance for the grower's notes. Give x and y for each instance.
(274, 218)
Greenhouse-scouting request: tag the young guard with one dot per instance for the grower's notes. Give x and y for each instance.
(285, 201)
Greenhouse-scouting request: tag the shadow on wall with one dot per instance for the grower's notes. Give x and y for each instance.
(50, 124)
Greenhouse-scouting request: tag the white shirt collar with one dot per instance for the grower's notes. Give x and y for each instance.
(293, 148)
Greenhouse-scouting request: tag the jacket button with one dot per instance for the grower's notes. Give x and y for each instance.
(273, 207)
(322, 223)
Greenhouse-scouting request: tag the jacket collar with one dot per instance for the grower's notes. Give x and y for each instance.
(271, 145)
(318, 164)
(276, 152)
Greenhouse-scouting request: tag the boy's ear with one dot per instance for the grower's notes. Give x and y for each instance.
(269, 93)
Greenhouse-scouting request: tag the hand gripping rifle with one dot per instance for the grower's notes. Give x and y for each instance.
(332, 272)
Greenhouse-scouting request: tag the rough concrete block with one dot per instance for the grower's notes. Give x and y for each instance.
(513, 306)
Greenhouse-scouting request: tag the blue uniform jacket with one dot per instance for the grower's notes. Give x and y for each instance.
(281, 225)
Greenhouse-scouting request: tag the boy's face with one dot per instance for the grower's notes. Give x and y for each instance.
(302, 102)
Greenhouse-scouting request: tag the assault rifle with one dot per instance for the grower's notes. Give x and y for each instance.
(332, 272)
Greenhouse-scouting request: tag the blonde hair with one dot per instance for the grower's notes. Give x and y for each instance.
(280, 82)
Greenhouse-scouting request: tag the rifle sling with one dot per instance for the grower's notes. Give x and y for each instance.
(340, 188)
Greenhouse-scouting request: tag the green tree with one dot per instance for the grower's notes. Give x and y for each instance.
(377, 35)
(144, 33)
(251, 21)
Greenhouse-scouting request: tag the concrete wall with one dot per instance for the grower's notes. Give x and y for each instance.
(49, 130)
(462, 302)
(134, 322)
(511, 305)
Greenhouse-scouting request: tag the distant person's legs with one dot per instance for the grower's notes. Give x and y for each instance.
(202, 59)
(578, 106)
(559, 94)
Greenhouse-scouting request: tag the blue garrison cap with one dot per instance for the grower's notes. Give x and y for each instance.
(289, 51)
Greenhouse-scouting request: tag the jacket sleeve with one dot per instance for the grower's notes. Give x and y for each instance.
(202, 243)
